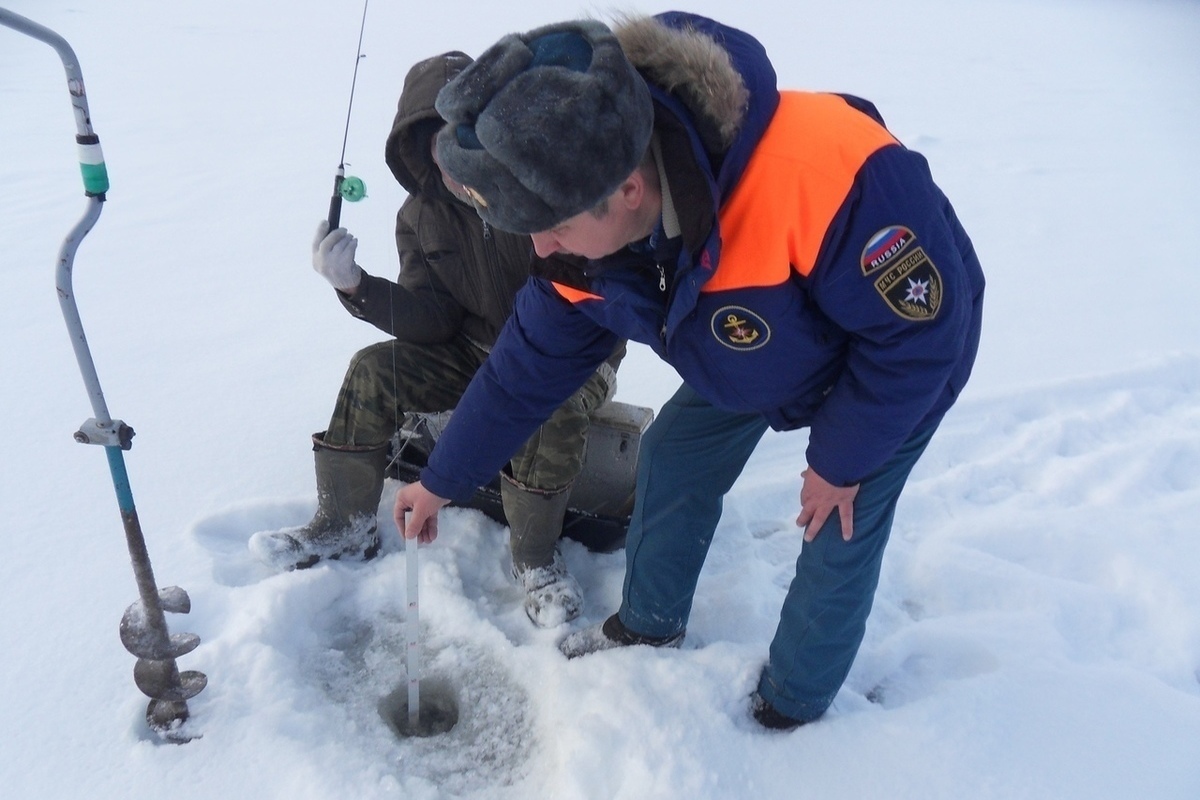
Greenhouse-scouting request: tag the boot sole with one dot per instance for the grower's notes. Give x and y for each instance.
(352, 555)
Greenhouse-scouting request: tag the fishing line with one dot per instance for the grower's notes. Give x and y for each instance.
(441, 715)
(349, 187)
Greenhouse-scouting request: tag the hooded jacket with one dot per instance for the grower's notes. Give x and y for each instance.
(820, 278)
(458, 275)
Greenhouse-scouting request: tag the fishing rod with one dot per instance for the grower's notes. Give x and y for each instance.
(143, 627)
(345, 186)
(349, 187)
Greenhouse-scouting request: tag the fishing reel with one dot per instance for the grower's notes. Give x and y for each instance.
(352, 188)
(345, 187)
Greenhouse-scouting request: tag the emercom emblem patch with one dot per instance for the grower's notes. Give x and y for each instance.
(740, 328)
(912, 286)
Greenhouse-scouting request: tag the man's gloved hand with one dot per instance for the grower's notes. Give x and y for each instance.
(333, 257)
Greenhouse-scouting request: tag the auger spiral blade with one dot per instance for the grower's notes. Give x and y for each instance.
(144, 633)
(144, 641)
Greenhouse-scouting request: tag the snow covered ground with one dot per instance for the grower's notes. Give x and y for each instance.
(1037, 629)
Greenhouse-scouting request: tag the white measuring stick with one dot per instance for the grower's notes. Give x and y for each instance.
(413, 629)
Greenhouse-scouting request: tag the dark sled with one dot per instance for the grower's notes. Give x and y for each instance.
(602, 496)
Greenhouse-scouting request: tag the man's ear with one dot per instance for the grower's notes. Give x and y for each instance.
(632, 191)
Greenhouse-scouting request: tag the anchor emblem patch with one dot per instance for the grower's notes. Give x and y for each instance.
(740, 328)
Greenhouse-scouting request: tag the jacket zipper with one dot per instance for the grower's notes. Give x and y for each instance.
(493, 259)
(662, 287)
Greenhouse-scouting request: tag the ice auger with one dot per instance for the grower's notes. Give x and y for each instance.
(143, 626)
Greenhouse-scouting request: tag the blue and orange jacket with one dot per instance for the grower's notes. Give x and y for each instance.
(822, 280)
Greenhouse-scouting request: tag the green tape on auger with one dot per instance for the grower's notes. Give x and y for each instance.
(352, 189)
(91, 164)
(95, 178)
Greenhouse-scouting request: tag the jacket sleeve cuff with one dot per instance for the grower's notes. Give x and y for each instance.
(454, 492)
(358, 303)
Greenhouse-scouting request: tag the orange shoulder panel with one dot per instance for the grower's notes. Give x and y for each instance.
(573, 295)
(795, 182)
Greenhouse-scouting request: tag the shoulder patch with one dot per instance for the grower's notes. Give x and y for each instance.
(912, 286)
(740, 328)
(885, 245)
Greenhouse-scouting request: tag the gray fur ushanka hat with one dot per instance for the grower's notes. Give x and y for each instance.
(545, 125)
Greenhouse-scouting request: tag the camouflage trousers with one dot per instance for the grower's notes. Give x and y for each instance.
(387, 380)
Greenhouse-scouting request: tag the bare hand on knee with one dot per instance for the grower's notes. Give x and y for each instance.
(818, 499)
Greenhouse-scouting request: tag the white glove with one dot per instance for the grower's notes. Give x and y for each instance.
(333, 257)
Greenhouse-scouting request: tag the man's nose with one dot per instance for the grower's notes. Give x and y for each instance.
(544, 244)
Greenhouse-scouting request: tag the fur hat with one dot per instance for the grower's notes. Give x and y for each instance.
(545, 125)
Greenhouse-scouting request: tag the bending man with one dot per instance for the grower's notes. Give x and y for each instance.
(790, 258)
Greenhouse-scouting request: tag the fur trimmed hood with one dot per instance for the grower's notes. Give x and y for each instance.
(691, 65)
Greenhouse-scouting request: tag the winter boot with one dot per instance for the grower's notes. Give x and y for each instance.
(769, 717)
(535, 520)
(610, 634)
(349, 483)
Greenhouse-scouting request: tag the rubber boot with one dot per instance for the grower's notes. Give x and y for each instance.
(349, 484)
(535, 520)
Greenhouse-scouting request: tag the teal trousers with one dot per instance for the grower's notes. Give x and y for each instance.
(690, 458)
